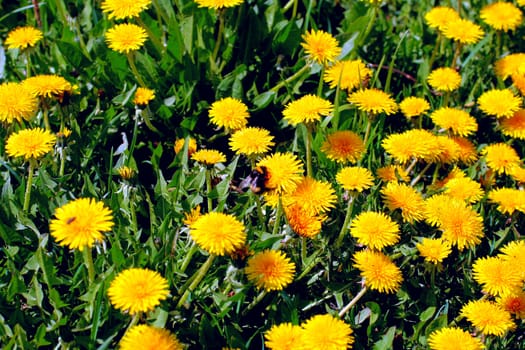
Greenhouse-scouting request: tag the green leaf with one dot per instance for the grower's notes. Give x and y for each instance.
(387, 340)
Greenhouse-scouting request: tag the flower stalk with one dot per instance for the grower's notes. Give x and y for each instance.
(197, 278)
(348, 306)
(27, 194)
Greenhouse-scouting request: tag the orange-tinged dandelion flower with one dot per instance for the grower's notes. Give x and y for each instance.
(146, 337)
(411, 144)
(302, 221)
(16, 103)
(453, 338)
(343, 146)
(446, 151)
(463, 31)
(80, 223)
(497, 276)
(355, 178)
(208, 156)
(270, 270)
(499, 103)
(23, 37)
(284, 172)
(307, 109)
(48, 85)
(467, 151)
(218, 4)
(218, 233)
(348, 74)
(392, 172)
(514, 303)
(501, 16)
(251, 141)
(122, 9)
(143, 96)
(488, 317)
(514, 126)
(125, 172)
(374, 230)
(461, 224)
(461, 123)
(137, 290)
(398, 195)
(464, 188)
(373, 101)
(230, 113)
(179, 145)
(30, 143)
(509, 65)
(500, 157)
(378, 271)
(518, 80)
(444, 79)
(285, 336)
(126, 37)
(326, 332)
(320, 46)
(434, 250)
(439, 17)
(508, 200)
(315, 196)
(414, 106)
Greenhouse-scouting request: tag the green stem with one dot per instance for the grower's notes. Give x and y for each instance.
(88, 260)
(156, 42)
(420, 175)
(146, 113)
(256, 301)
(27, 195)
(131, 61)
(133, 138)
(303, 250)
(278, 215)
(208, 190)
(361, 39)
(199, 275)
(435, 50)
(498, 44)
(348, 306)
(133, 213)
(320, 84)
(308, 147)
(457, 53)
(218, 41)
(367, 131)
(28, 64)
(335, 120)
(348, 215)
(45, 114)
(134, 320)
(187, 258)
(291, 78)
(411, 166)
(294, 9)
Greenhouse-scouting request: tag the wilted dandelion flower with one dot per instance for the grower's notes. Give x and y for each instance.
(355, 178)
(514, 303)
(218, 233)
(126, 37)
(208, 156)
(23, 37)
(499, 103)
(449, 338)
(464, 188)
(509, 65)
(392, 172)
(192, 216)
(251, 141)
(137, 290)
(143, 96)
(444, 79)
(349, 74)
(501, 16)
(146, 337)
(48, 85)
(398, 195)
(488, 317)
(218, 4)
(307, 109)
(497, 276)
(414, 106)
(434, 250)
(270, 270)
(463, 31)
(121, 9)
(80, 223)
(514, 126)
(326, 332)
(439, 16)
(179, 145)
(467, 150)
(315, 196)
(411, 144)
(459, 122)
(284, 336)
(302, 221)
(30, 143)
(460, 224)
(374, 230)
(500, 157)
(284, 172)
(16, 103)
(378, 271)
(373, 101)
(126, 172)
(320, 46)
(229, 113)
(508, 200)
(343, 146)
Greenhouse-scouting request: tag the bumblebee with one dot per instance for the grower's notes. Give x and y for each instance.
(257, 180)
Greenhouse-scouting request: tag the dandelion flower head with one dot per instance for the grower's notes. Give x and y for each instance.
(348, 74)
(146, 337)
(461, 123)
(373, 101)
(488, 317)
(517, 172)
(251, 141)
(16, 103)
(122, 9)
(461, 224)
(444, 79)
(374, 230)
(303, 222)
(143, 96)
(499, 103)
(500, 157)
(327, 332)
(315, 196)
(47, 85)
(270, 270)
(23, 37)
(230, 113)
(515, 251)
(398, 195)
(320, 46)
(502, 16)
(514, 126)
(218, 4)
(378, 271)
(467, 151)
(179, 145)
(411, 144)
(453, 338)
(509, 65)
(307, 109)
(208, 156)
(284, 172)
(30, 143)
(343, 146)
(434, 250)
(355, 178)
(218, 233)
(497, 276)
(514, 303)
(284, 336)
(126, 37)
(439, 17)
(464, 188)
(126, 172)
(393, 172)
(508, 200)
(463, 31)
(414, 106)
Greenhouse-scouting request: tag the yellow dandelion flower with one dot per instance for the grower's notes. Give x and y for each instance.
(509, 65)
(16, 103)
(460, 224)
(514, 303)
(465, 189)
(326, 332)
(320, 46)
(374, 230)
(192, 216)
(515, 252)
(284, 172)
(378, 271)
(459, 122)
(48, 85)
(348, 74)
(434, 207)
(414, 106)
(218, 233)
(143, 96)
(146, 337)
(514, 126)
(439, 17)
(251, 141)
(501, 16)
(518, 80)
(449, 338)
(398, 195)
(315, 196)
(229, 113)
(392, 172)
(521, 2)
(500, 157)
(30, 143)
(373, 101)
(463, 31)
(303, 222)
(497, 276)
(517, 173)
(343, 146)
(126, 172)
(23, 37)
(122, 9)
(434, 250)
(411, 144)
(307, 109)
(284, 336)
(64, 133)
(488, 317)
(270, 270)
(179, 145)
(467, 151)
(444, 79)
(80, 223)
(446, 151)
(218, 4)
(508, 200)
(208, 156)
(355, 178)
(137, 290)
(126, 37)
(499, 103)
